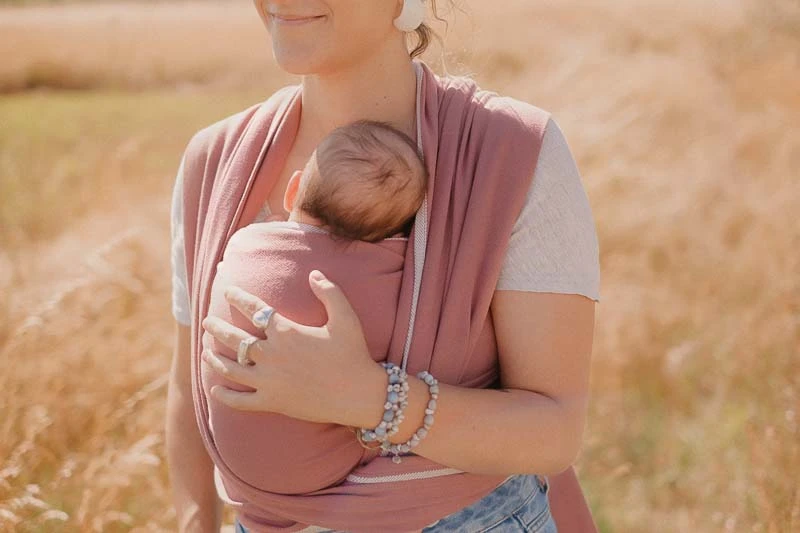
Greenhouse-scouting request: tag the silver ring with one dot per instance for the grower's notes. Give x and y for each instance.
(241, 353)
(262, 317)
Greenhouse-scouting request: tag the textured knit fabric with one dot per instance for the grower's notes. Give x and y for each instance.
(272, 260)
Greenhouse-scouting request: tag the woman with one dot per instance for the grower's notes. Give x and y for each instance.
(538, 320)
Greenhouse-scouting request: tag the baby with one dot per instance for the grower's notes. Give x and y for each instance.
(360, 189)
(364, 182)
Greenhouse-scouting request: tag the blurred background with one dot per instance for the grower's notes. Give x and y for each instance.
(684, 117)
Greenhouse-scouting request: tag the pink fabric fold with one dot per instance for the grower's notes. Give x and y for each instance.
(270, 451)
(481, 151)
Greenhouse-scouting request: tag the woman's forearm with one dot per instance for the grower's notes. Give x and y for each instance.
(198, 509)
(496, 432)
(483, 431)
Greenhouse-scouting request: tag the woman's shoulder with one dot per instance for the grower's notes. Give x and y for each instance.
(220, 137)
(505, 112)
(508, 108)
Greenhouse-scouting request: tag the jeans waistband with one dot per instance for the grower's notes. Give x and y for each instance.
(505, 499)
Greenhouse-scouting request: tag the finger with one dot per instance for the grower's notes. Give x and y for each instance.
(243, 401)
(336, 304)
(228, 334)
(228, 369)
(248, 304)
(208, 339)
(253, 307)
(260, 313)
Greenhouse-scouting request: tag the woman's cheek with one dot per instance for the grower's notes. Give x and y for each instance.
(261, 9)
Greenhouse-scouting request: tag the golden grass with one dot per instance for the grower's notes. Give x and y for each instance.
(683, 118)
(133, 45)
(106, 147)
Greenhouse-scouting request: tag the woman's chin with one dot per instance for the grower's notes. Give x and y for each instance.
(295, 60)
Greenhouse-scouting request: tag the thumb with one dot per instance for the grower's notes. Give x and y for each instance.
(336, 305)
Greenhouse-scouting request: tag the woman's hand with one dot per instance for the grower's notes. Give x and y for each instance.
(309, 373)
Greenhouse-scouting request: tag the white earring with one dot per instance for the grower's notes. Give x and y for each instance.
(412, 16)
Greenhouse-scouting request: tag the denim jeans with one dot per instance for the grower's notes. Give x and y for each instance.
(518, 505)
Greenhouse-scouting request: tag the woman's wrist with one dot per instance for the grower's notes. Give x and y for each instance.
(418, 397)
(368, 401)
(364, 397)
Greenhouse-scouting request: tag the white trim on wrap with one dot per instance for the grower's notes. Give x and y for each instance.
(426, 474)
(421, 233)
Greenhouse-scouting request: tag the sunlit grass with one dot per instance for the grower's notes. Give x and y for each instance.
(66, 154)
(683, 118)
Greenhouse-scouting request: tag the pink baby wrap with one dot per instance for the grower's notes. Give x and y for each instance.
(271, 451)
(481, 151)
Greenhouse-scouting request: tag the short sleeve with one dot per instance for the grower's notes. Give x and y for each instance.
(554, 246)
(181, 308)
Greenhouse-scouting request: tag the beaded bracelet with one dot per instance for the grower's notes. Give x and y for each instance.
(396, 402)
(422, 432)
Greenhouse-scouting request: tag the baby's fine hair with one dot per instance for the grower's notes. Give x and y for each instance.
(368, 183)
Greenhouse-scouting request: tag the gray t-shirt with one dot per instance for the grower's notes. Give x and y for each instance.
(553, 246)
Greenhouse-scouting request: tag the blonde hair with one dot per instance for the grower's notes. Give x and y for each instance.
(425, 34)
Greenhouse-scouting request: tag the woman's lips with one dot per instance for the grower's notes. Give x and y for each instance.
(294, 20)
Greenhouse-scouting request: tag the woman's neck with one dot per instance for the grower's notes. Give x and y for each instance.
(381, 87)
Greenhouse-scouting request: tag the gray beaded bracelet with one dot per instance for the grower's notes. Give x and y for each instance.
(396, 402)
(422, 432)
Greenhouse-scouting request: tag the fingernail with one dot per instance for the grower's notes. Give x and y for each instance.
(316, 275)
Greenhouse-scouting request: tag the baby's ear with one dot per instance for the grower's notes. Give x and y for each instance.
(291, 191)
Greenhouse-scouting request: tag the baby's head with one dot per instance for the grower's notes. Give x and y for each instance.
(365, 181)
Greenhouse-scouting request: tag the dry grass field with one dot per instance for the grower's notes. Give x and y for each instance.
(684, 118)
